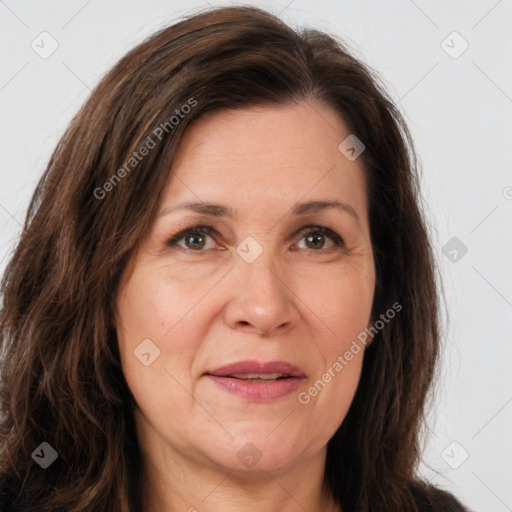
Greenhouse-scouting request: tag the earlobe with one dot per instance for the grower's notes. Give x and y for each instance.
(369, 340)
(370, 335)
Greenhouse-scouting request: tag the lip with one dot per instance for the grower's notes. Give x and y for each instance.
(264, 391)
(257, 367)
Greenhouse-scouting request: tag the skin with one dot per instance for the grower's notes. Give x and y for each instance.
(300, 301)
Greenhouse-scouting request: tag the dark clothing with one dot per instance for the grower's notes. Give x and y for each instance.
(436, 499)
(431, 500)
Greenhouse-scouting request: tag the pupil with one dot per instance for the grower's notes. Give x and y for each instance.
(191, 239)
(318, 238)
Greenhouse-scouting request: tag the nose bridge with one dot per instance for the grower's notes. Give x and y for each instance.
(262, 298)
(257, 264)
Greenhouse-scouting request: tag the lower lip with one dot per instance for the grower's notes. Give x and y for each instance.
(264, 391)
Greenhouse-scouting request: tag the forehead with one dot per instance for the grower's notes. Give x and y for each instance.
(266, 157)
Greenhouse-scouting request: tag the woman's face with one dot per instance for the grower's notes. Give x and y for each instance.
(260, 286)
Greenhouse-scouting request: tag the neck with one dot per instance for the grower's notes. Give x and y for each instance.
(229, 492)
(174, 481)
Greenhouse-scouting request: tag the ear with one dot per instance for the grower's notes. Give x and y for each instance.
(371, 331)
(371, 336)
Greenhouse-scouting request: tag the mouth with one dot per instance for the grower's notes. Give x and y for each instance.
(255, 370)
(259, 377)
(260, 382)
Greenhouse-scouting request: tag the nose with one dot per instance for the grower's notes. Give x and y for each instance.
(263, 301)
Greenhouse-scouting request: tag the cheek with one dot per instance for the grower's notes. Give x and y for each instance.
(162, 311)
(166, 313)
(342, 300)
(343, 304)
(153, 305)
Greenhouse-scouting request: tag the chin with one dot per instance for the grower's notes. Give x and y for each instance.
(253, 454)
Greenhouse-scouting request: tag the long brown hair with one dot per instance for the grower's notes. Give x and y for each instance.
(61, 379)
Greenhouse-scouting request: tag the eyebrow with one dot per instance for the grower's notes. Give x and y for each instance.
(220, 211)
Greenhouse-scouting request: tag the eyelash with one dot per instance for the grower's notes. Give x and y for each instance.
(211, 231)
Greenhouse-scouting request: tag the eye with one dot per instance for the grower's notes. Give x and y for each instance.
(315, 237)
(194, 236)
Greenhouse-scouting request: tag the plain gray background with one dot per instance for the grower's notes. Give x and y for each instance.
(458, 104)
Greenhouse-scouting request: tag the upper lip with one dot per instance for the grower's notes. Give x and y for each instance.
(256, 367)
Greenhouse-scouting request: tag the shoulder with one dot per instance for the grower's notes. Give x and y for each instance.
(432, 499)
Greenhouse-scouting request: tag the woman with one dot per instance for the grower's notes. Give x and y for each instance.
(224, 294)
